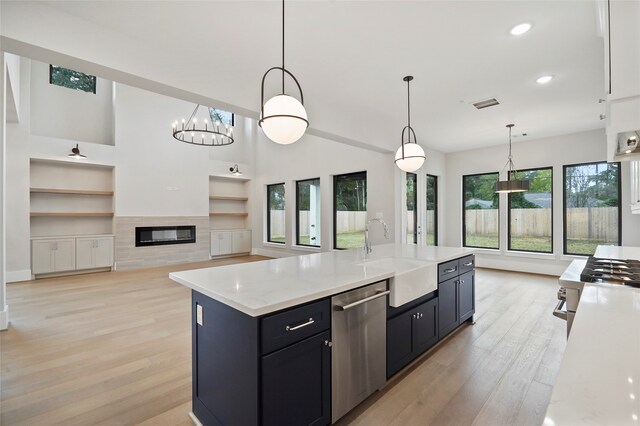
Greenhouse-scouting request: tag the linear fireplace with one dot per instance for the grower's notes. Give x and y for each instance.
(162, 235)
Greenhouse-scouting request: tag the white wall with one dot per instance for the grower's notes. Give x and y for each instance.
(557, 151)
(147, 161)
(314, 157)
(157, 175)
(60, 112)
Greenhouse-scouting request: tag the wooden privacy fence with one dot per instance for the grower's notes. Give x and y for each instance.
(481, 222)
(595, 223)
(430, 220)
(346, 221)
(531, 222)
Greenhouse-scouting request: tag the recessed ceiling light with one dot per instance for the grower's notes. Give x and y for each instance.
(544, 79)
(520, 28)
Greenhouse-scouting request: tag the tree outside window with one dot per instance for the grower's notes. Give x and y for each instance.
(480, 211)
(350, 209)
(275, 213)
(592, 214)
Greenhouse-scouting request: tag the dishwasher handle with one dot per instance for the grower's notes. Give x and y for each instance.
(361, 301)
(559, 312)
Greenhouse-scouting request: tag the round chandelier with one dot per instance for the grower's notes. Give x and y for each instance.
(283, 118)
(218, 134)
(410, 156)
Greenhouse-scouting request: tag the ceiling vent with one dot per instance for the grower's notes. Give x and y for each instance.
(486, 103)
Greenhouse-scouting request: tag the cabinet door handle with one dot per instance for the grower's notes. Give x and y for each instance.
(328, 343)
(468, 264)
(289, 328)
(449, 270)
(461, 281)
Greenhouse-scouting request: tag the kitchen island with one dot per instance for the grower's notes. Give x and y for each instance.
(262, 332)
(599, 378)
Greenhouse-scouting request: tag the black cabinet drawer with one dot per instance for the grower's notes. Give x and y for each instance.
(448, 270)
(467, 263)
(291, 326)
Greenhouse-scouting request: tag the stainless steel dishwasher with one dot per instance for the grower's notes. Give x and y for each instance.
(359, 336)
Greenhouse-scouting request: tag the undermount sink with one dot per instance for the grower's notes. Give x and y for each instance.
(412, 278)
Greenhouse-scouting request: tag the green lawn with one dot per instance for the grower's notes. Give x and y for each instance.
(350, 239)
(539, 244)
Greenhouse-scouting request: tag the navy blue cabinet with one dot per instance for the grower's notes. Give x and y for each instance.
(296, 383)
(270, 370)
(415, 327)
(410, 333)
(467, 295)
(456, 294)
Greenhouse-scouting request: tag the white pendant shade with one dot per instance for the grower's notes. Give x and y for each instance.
(285, 119)
(413, 157)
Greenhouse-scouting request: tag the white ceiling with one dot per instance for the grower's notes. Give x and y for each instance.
(350, 57)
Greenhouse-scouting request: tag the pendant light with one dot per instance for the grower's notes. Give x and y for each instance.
(219, 134)
(410, 156)
(75, 153)
(513, 185)
(283, 118)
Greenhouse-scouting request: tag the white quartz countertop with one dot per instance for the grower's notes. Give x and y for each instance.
(258, 288)
(599, 379)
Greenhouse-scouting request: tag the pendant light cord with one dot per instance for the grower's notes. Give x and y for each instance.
(283, 47)
(408, 106)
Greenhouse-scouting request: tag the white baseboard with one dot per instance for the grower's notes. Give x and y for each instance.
(15, 276)
(194, 419)
(4, 318)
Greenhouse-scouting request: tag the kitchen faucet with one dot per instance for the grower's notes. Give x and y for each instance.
(367, 242)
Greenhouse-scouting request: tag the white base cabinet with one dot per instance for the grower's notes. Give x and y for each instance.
(52, 255)
(230, 242)
(94, 252)
(49, 256)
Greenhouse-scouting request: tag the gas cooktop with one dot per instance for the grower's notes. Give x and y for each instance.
(613, 271)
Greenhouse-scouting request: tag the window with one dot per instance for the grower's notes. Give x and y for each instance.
(480, 211)
(412, 212)
(349, 210)
(224, 117)
(308, 212)
(72, 79)
(275, 215)
(431, 223)
(592, 212)
(531, 212)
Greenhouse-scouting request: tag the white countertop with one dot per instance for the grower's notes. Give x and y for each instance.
(258, 288)
(599, 379)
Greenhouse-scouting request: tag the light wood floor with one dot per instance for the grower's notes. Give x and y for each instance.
(115, 349)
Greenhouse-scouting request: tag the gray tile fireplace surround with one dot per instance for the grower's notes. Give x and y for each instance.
(128, 256)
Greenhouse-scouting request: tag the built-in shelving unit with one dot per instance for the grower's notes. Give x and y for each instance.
(71, 216)
(229, 215)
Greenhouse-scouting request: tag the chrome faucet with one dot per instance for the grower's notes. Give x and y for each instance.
(367, 242)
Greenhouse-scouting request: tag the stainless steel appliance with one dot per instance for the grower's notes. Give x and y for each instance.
(593, 270)
(359, 356)
(612, 271)
(568, 300)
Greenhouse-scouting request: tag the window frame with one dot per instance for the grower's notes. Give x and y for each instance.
(435, 210)
(335, 207)
(269, 214)
(464, 219)
(415, 204)
(93, 78)
(298, 243)
(564, 202)
(509, 175)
